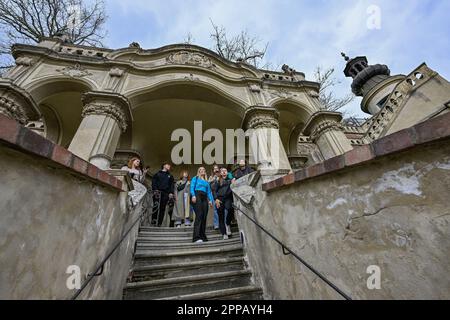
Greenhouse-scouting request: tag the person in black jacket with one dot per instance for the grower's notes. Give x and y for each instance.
(163, 185)
(223, 197)
(243, 170)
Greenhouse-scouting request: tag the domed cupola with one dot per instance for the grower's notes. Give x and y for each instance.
(372, 82)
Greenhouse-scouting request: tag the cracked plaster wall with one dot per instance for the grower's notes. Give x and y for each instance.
(393, 213)
(51, 219)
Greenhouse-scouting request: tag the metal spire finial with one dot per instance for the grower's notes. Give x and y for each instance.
(345, 56)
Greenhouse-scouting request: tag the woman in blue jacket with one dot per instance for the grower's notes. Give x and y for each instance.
(201, 197)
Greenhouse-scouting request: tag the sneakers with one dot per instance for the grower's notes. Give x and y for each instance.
(199, 241)
(216, 228)
(178, 226)
(228, 231)
(225, 237)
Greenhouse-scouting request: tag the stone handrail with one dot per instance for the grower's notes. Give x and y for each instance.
(429, 131)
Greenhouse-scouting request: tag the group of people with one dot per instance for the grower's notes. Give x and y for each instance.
(189, 200)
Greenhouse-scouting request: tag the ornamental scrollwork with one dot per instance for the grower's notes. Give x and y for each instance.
(76, 71)
(190, 58)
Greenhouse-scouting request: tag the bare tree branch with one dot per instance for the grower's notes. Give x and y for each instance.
(189, 38)
(327, 98)
(28, 21)
(240, 48)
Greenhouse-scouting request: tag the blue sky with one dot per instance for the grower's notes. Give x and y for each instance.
(301, 33)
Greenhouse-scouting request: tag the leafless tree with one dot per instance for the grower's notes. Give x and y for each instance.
(239, 48)
(327, 97)
(28, 21)
(189, 39)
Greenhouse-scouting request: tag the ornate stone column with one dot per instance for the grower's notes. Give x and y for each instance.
(17, 104)
(325, 129)
(105, 117)
(266, 149)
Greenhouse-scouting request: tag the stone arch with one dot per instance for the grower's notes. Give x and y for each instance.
(138, 96)
(41, 88)
(59, 101)
(160, 109)
(293, 117)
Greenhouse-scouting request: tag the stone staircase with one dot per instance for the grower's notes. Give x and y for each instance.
(168, 266)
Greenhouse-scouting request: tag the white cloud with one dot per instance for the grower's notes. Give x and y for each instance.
(305, 33)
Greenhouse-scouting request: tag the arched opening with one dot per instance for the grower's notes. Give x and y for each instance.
(59, 101)
(159, 112)
(293, 118)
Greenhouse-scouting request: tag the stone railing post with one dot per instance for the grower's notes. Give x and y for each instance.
(325, 129)
(266, 147)
(105, 117)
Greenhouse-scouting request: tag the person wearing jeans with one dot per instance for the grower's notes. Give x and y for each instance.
(202, 198)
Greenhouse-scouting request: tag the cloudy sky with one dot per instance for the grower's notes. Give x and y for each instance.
(302, 33)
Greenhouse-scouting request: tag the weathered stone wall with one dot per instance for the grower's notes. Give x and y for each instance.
(52, 217)
(392, 212)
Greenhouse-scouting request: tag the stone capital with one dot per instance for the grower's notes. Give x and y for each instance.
(113, 105)
(261, 118)
(321, 122)
(17, 104)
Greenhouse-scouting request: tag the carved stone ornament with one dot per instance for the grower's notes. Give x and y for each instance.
(281, 93)
(116, 72)
(135, 45)
(76, 71)
(12, 110)
(113, 110)
(190, 58)
(262, 119)
(288, 70)
(24, 61)
(325, 127)
(255, 88)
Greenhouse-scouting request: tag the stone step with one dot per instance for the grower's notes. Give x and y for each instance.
(181, 239)
(156, 246)
(174, 270)
(238, 293)
(173, 234)
(178, 230)
(146, 257)
(157, 289)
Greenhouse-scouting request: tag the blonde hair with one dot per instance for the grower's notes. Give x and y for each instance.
(132, 160)
(198, 174)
